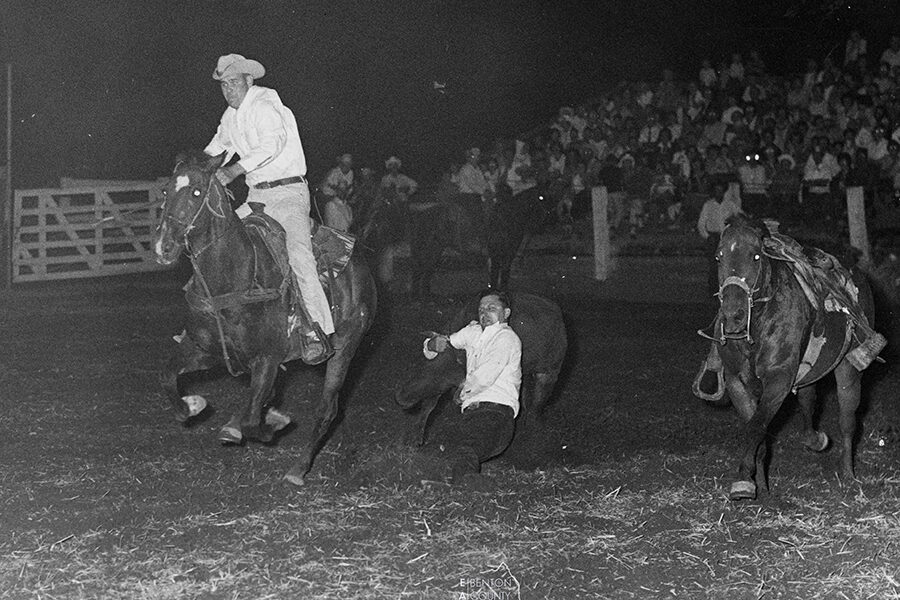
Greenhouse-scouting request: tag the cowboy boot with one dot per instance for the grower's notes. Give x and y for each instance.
(315, 347)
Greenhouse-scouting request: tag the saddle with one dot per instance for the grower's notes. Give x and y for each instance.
(332, 250)
(840, 326)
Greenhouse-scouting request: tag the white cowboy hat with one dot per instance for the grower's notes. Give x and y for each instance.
(392, 161)
(235, 64)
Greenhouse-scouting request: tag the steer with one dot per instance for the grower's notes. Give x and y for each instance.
(539, 324)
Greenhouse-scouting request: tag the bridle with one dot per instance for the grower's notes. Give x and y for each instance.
(208, 302)
(750, 291)
(191, 225)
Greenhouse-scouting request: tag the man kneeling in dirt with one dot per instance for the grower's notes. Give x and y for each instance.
(489, 396)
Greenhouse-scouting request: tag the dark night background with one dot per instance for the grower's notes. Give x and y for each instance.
(114, 89)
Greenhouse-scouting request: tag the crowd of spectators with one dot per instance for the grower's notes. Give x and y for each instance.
(785, 146)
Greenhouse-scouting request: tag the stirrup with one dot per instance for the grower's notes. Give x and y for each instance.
(315, 347)
(711, 364)
(863, 355)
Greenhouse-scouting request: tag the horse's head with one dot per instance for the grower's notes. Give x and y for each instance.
(743, 271)
(186, 195)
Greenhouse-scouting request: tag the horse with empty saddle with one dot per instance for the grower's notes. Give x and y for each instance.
(244, 307)
(788, 317)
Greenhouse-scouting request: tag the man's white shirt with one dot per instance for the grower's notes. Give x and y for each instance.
(263, 132)
(493, 364)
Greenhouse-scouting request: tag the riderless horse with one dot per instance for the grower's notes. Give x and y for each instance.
(241, 301)
(788, 317)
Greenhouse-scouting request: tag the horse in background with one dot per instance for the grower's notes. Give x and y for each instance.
(772, 339)
(240, 301)
(507, 222)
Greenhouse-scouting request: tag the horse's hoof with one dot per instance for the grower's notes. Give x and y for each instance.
(276, 419)
(742, 490)
(820, 443)
(230, 435)
(195, 404)
(295, 479)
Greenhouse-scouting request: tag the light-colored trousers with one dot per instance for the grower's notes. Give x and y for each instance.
(289, 205)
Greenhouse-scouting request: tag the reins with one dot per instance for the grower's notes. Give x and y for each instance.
(215, 304)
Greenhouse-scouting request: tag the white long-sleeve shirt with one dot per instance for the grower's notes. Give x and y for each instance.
(263, 132)
(493, 364)
(337, 183)
(713, 216)
(825, 170)
(470, 180)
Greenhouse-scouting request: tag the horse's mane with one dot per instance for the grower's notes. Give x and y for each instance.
(192, 157)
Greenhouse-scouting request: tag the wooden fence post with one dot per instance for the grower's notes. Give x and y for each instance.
(856, 219)
(600, 203)
(6, 256)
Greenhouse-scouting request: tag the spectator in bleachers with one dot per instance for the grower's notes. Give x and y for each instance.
(610, 175)
(713, 132)
(891, 55)
(664, 205)
(637, 179)
(883, 80)
(667, 96)
(577, 193)
(854, 50)
(878, 145)
(649, 134)
(695, 132)
(810, 76)
(707, 76)
(889, 165)
(755, 65)
(718, 165)
(818, 103)
(784, 189)
(821, 167)
(796, 95)
(754, 185)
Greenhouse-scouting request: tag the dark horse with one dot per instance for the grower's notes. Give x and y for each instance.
(765, 330)
(507, 221)
(239, 309)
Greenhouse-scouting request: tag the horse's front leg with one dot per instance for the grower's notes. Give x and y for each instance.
(751, 471)
(188, 358)
(742, 400)
(848, 393)
(250, 423)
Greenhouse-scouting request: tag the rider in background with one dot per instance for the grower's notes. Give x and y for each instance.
(263, 132)
(339, 180)
(394, 192)
(473, 191)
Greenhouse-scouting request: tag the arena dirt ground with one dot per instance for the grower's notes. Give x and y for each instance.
(91, 454)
